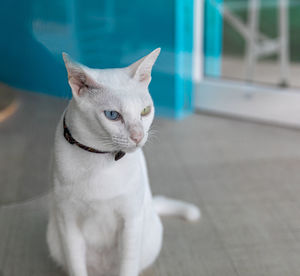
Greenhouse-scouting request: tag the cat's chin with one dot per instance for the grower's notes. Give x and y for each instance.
(133, 148)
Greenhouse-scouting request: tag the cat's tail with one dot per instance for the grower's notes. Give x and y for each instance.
(171, 207)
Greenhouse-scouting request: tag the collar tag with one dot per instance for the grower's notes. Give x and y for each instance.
(119, 155)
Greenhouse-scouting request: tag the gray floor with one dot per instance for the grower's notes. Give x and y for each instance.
(244, 176)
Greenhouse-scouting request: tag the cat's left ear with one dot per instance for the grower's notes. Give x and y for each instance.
(78, 77)
(141, 69)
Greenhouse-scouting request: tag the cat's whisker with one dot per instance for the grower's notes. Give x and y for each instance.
(120, 141)
(153, 130)
(102, 137)
(152, 137)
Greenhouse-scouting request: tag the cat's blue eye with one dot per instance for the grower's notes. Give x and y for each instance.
(112, 115)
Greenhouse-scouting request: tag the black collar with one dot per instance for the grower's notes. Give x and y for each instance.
(72, 141)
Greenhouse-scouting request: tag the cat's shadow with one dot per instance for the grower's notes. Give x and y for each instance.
(149, 272)
(23, 240)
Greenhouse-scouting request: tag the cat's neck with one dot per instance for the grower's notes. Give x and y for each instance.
(81, 131)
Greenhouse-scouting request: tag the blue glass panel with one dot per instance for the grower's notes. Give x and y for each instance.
(100, 34)
(213, 38)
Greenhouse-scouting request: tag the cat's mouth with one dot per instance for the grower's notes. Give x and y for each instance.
(132, 148)
(127, 145)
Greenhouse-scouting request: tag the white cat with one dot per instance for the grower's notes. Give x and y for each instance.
(103, 219)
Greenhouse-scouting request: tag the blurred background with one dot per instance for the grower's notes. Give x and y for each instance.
(226, 91)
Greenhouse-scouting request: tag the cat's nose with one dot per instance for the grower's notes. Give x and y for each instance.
(136, 136)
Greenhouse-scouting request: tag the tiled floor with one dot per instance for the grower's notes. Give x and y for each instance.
(244, 176)
(266, 71)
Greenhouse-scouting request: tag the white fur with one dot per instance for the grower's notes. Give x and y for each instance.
(103, 220)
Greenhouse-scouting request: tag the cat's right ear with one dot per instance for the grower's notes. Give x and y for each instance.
(77, 77)
(141, 69)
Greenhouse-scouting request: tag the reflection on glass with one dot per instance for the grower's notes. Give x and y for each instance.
(100, 34)
(256, 43)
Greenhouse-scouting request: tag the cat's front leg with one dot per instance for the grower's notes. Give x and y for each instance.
(131, 246)
(73, 244)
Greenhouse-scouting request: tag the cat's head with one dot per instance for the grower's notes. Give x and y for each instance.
(113, 105)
